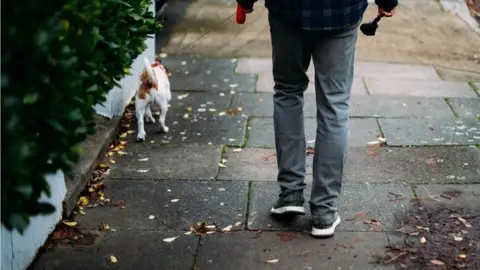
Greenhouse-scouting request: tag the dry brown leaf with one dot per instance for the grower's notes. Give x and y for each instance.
(82, 201)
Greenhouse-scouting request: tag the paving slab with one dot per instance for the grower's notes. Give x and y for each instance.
(422, 88)
(251, 164)
(261, 105)
(400, 132)
(204, 128)
(194, 103)
(362, 69)
(224, 202)
(261, 134)
(468, 195)
(151, 161)
(249, 250)
(427, 165)
(466, 107)
(359, 202)
(133, 250)
(197, 74)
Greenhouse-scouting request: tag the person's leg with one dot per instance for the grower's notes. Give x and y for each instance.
(333, 58)
(291, 58)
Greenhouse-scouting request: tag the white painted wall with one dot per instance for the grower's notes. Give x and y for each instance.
(18, 250)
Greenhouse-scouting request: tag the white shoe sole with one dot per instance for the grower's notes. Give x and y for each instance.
(326, 232)
(288, 210)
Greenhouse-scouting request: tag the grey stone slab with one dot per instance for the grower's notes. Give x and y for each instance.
(204, 128)
(439, 165)
(469, 195)
(133, 250)
(224, 202)
(423, 88)
(359, 202)
(261, 105)
(261, 134)
(197, 74)
(249, 250)
(150, 161)
(466, 107)
(191, 102)
(367, 164)
(265, 83)
(362, 69)
(431, 131)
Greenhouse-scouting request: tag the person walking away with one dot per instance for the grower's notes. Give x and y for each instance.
(324, 31)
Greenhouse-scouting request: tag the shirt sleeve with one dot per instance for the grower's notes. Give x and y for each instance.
(387, 4)
(246, 4)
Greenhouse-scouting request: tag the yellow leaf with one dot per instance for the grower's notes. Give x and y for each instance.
(100, 193)
(81, 212)
(132, 102)
(102, 198)
(82, 201)
(113, 259)
(112, 161)
(121, 153)
(120, 147)
(70, 223)
(110, 154)
(123, 135)
(116, 148)
(222, 165)
(130, 131)
(123, 142)
(127, 125)
(102, 165)
(91, 189)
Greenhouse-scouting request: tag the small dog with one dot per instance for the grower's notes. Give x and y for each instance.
(154, 89)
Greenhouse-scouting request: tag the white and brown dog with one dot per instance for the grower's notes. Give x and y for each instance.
(154, 89)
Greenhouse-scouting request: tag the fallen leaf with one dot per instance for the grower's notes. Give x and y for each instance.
(437, 262)
(464, 221)
(123, 143)
(457, 238)
(222, 165)
(188, 233)
(127, 125)
(227, 229)
(110, 154)
(233, 85)
(112, 161)
(210, 232)
(143, 159)
(222, 113)
(151, 217)
(238, 224)
(210, 227)
(237, 150)
(121, 153)
(123, 135)
(82, 212)
(113, 259)
(70, 223)
(423, 240)
(462, 256)
(373, 143)
(189, 109)
(143, 170)
(381, 139)
(175, 200)
(82, 201)
(130, 131)
(170, 239)
(272, 261)
(102, 165)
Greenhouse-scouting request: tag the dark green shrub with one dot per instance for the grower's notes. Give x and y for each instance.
(59, 58)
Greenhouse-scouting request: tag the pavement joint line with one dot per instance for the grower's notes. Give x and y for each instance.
(195, 255)
(249, 202)
(247, 133)
(472, 85)
(366, 86)
(447, 100)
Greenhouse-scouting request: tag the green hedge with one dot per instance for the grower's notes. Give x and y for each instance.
(59, 58)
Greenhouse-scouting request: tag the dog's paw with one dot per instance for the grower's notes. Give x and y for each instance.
(150, 121)
(164, 129)
(141, 137)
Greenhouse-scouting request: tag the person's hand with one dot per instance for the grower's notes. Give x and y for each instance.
(382, 12)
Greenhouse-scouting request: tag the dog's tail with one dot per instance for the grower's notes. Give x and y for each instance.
(148, 67)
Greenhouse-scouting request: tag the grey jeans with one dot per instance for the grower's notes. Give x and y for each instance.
(333, 58)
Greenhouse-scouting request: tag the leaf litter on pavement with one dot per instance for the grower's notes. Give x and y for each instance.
(436, 236)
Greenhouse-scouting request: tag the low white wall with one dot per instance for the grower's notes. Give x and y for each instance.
(18, 250)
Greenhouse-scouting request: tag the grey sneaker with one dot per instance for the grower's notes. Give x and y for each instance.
(320, 230)
(289, 204)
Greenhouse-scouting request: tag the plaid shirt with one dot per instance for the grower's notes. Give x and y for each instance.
(319, 15)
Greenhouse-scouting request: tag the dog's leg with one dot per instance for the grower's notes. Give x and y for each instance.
(162, 102)
(148, 113)
(140, 107)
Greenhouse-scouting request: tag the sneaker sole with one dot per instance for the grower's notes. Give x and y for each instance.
(288, 210)
(326, 232)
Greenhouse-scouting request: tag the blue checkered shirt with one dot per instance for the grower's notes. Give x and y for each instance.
(319, 15)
